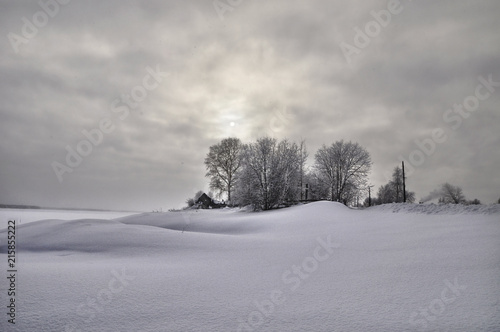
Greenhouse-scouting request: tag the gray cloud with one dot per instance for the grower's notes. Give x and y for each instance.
(267, 65)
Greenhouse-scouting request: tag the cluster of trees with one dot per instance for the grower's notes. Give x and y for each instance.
(450, 194)
(269, 173)
(394, 191)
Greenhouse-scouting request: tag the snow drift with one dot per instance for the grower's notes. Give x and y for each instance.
(439, 208)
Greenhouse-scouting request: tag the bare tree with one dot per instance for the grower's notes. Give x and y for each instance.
(190, 202)
(316, 188)
(397, 184)
(325, 168)
(222, 163)
(386, 194)
(302, 164)
(270, 175)
(410, 196)
(392, 192)
(344, 168)
(399, 192)
(451, 194)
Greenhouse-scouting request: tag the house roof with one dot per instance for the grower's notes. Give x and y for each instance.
(204, 199)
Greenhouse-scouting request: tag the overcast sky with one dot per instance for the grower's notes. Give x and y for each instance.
(164, 80)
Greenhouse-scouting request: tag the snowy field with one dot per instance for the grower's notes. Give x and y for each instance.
(29, 215)
(316, 267)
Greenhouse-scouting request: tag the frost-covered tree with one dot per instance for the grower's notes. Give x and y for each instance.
(475, 201)
(451, 194)
(397, 184)
(222, 163)
(392, 192)
(343, 167)
(386, 194)
(270, 173)
(192, 201)
(410, 197)
(302, 164)
(316, 188)
(351, 193)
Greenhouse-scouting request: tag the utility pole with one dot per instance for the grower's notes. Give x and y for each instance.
(404, 182)
(369, 196)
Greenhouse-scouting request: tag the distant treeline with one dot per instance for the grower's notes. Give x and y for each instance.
(18, 206)
(13, 206)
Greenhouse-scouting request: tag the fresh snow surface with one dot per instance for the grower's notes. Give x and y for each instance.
(439, 208)
(24, 216)
(315, 267)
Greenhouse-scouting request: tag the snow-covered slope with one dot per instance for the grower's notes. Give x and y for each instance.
(439, 208)
(25, 216)
(316, 267)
